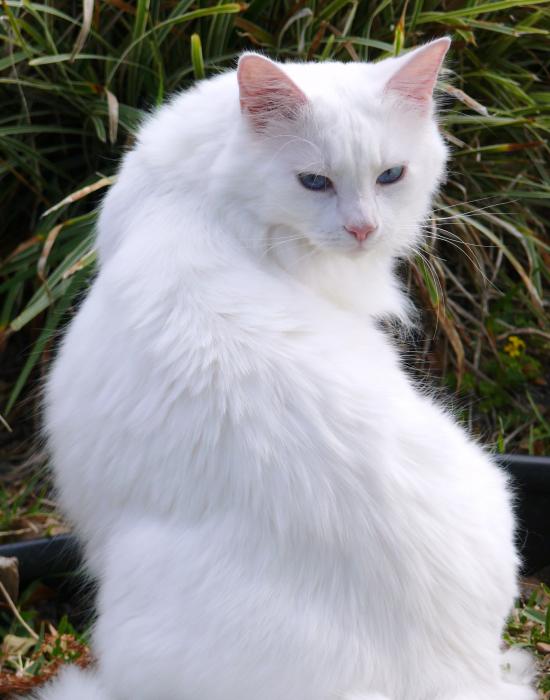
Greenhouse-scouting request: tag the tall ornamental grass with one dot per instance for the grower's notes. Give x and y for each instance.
(76, 78)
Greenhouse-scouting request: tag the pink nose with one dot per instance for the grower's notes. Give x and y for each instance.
(360, 231)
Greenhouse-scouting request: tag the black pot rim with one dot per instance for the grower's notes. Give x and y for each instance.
(54, 556)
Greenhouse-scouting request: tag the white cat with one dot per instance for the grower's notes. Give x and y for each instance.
(272, 509)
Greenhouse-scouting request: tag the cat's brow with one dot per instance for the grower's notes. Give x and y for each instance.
(293, 138)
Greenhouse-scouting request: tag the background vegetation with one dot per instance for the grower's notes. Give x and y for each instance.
(76, 79)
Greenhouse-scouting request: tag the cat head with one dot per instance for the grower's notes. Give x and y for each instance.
(327, 169)
(341, 157)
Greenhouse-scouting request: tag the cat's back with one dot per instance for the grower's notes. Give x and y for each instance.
(174, 387)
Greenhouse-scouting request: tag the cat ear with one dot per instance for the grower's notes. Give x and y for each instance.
(266, 92)
(415, 79)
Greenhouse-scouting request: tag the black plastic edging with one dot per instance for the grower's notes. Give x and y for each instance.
(44, 557)
(531, 484)
(54, 556)
(533, 473)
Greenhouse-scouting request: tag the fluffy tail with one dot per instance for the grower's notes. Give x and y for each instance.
(72, 683)
(518, 667)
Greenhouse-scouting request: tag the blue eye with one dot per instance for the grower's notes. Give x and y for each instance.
(388, 177)
(317, 183)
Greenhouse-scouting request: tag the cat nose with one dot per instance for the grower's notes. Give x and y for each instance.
(361, 231)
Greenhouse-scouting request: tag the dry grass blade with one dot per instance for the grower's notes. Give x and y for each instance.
(5, 423)
(465, 99)
(82, 192)
(87, 16)
(81, 264)
(13, 607)
(48, 245)
(112, 103)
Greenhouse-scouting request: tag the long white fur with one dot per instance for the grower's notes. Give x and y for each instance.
(272, 509)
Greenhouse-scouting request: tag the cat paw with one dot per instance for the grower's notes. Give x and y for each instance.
(72, 683)
(518, 692)
(517, 667)
(504, 691)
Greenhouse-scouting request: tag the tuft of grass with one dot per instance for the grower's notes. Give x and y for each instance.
(37, 640)
(77, 78)
(529, 628)
(27, 511)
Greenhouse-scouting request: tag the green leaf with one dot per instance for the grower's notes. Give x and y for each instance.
(196, 57)
(230, 8)
(428, 278)
(535, 615)
(475, 10)
(66, 294)
(332, 8)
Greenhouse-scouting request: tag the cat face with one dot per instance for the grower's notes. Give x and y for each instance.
(339, 157)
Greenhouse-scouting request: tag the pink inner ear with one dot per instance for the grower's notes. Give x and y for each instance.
(415, 80)
(266, 91)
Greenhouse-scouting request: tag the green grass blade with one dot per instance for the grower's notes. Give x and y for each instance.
(196, 57)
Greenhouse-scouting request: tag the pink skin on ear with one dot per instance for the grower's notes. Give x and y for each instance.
(266, 92)
(415, 79)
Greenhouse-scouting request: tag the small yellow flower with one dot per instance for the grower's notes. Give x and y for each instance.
(515, 346)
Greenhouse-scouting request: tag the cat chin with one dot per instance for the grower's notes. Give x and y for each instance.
(339, 249)
(347, 247)
(362, 282)
(358, 277)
